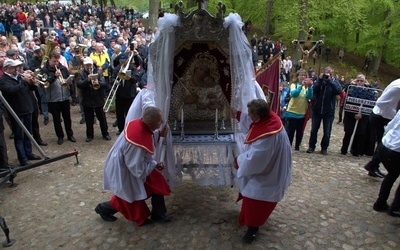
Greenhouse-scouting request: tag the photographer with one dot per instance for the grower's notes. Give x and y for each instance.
(324, 103)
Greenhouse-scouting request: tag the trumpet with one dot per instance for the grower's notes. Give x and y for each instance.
(41, 80)
(61, 79)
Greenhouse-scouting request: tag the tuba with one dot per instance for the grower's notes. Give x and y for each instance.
(50, 45)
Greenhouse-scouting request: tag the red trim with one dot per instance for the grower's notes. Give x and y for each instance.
(137, 133)
(264, 128)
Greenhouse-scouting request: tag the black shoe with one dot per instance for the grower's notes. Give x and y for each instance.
(297, 148)
(250, 235)
(42, 143)
(380, 207)
(46, 121)
(12, 135)
(72, 139)
(380, 173)
(343, 153)
(394, 212)
(60, 141)
(89, 139)
(375, 173)
(324, 152)
(94, 121)
(118, 133)
(115, 124)
(34, 157)
(103, 215)
(25, 163)
(162, 218)
(82, 121)
(310, 150)
(73, 104)
(338, 122)
(107, 137)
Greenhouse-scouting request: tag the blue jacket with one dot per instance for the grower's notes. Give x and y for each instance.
(325, 92)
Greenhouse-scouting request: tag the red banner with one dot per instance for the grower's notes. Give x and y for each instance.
(268, 78)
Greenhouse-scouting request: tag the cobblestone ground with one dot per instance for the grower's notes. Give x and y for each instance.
(328, 205)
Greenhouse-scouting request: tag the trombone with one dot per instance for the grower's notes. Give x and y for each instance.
(111, 95)
(123, 74)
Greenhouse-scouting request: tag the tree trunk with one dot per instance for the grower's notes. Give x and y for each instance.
(112, 3)
(303, 27)
(268, 19)
(154, 8)
(377, 62)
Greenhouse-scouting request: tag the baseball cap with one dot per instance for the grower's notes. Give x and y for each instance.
(87, 60)
(123, 57)
(36, 48)
(11, 63)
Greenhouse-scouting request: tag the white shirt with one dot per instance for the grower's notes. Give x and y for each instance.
(387, 103)
(391, 139)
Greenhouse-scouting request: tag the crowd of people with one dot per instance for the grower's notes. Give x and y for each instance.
(52, 57)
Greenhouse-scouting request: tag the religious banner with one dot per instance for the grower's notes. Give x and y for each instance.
(268, 78)
(361, 99)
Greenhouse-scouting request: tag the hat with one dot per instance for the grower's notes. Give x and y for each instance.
(11, 63)
(123, 57)
(35, 48)
(87, 60)
(10, 52)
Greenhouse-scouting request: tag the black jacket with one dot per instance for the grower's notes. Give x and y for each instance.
(91, 97)
(325, 92)
(127, 88)
(17, 93)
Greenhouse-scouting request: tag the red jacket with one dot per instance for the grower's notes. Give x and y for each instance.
(21, 17)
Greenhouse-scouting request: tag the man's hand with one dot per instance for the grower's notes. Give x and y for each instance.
(358, 116)
(160, 166)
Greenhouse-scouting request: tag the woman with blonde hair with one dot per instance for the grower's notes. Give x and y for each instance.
(300, 93)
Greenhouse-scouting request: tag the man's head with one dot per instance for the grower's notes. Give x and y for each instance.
(53, 59)
(11, 66)
(88, 64)
(152, 117)
(37, 51)
(2, 58)
(258, 109)
(360, 80)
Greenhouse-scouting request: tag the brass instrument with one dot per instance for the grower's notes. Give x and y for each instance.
(82, 48)
(61, 79)
(125, 74)
(113, 92)
(50, 45)
(94, 78)
(41, 79)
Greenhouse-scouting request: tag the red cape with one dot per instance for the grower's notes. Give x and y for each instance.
(137, 133)
(264, 128)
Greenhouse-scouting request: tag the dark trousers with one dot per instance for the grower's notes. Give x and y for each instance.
(327, 121)
(89, 118)
(122, 106)
(377, 124)
(3, 150)
(341, 113)
(295, 125)
(72, 89)
(23, 145)
(391, 161)
(57, 109)
(35, 125)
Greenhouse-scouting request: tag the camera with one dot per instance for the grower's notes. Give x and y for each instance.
(325, 76)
